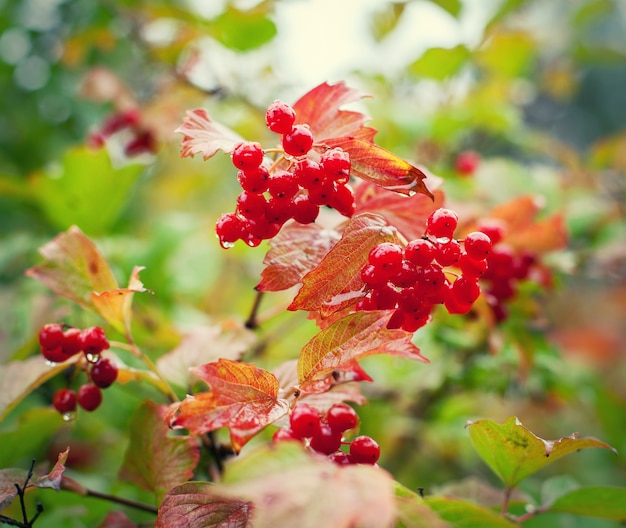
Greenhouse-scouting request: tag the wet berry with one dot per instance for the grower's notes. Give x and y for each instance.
(364, 450)
(89, 397)
(298, 141)
(64, 401)
(280, 117)
(103, 373)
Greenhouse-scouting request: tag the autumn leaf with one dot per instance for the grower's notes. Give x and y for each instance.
(336, 281)
(377, 165)
(115, 305)
(320, 108)
(202, 345)
(202, 135)
(155, 460)
(73, 268)
(280, 485)
(524, 231)
(9, 477)
(242, 398)
(295, 251)
(408, 214)
(19, 378)
(195, 504)
(513, 452)
(355, 336)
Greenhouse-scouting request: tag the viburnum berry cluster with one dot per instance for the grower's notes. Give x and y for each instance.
(506, 269)
(324, 434)
(434, 269)
(59, 344)
(294, 186)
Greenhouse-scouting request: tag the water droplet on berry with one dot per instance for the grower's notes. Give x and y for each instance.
(92, 358)
(227, 245)
(50, 363)
(69, 416)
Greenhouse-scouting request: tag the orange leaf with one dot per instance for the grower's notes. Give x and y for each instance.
(377, 165)
(115, 305)
(204, 136)
(336, 282)
(355, 336)
(243, 398)
(407, 214)
(74, 268)
(295, 251)
(320, 108)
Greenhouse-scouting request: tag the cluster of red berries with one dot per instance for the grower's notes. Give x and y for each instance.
(59, 344)
(411, 280)
(325, 434)
(141, 139)
(272, 195)
(506, 268)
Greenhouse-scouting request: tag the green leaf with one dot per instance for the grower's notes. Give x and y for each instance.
(513, 452)
(507, 54)
(413, 512)
(461, 514)
(243, 30)
(440, 63)
(451, 6)
(155, 460)
(386, 20)
(86, 190)
(602, 502)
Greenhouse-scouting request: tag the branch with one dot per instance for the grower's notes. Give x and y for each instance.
(69, 484)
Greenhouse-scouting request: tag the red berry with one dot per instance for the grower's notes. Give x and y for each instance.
(420, 252)
(279, 210)
(282, 435)
(283, 184)
(54, 355)
(325, 440)
(336, 164)
(442, 222)
(466, 162)
(407, 275)
(471, 267)
(51, 336)
(448, 253)
(103, 373)
(308, 173)
(93, 341)
(247, 155)
(494, 229)
(280, 117)
(254, 180)
(341, 417)
(371, 276)
(342, 200)
(304, 212)
(364, 450)
(72, 342)
(340, 458)
(477, 245)
(298, 141)
(251, 205)
(64, 401)
(229, 228)
(454, 305)
(304, 420)
(466, 290)
(501, 263)
(321, 193)
(387, 257)
(262, 229)
(89, 397)
(384, 297)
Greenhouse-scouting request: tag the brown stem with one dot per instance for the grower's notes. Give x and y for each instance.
(252, 322)
(121, 500)
(505, 500)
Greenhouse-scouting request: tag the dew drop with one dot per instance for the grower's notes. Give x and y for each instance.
(50, 363)
(227, 245)
(92, 358)
(69, 416)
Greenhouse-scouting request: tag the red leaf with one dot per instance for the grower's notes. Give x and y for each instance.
(321, 110)
(243, 398)
(193, 504)
(295, 251)
(407, 214)
(204, 136)
(336, 282)
(73, 268)
(117, 519)
(154, 460)
(355, 336)
(377, 165)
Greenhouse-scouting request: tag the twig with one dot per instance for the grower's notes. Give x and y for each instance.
(252, 322)
(21, 490)
(121, 500)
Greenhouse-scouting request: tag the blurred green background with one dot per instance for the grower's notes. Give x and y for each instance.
(537, 88)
